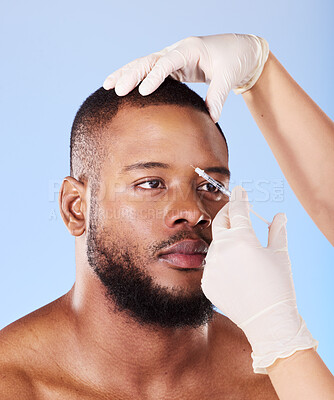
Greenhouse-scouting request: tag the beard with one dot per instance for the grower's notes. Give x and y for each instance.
(131, 290)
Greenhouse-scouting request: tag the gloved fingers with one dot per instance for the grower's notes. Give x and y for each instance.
(172, 61)
(111, 79)
(239, 208)
(277, 237)
(180, 60)
(128, 77)
(215, 99)
(222, 220)
(127, 82)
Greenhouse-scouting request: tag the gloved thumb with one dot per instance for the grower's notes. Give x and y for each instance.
(215, 99)
(221, 221)
(239, 208)
(277, 238)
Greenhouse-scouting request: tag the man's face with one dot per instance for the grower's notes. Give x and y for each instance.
(140, 212)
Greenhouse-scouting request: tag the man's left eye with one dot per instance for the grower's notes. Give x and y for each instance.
(211, 188)
(151, 184)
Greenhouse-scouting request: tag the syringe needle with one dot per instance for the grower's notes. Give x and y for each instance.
(259, 216)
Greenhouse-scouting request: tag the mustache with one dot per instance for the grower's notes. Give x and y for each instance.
(182, 235)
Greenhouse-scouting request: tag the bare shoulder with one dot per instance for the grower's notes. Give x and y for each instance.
(25, 351)
(14, 383)
(32, 333)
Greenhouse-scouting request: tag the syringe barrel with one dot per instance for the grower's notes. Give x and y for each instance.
(216, 184)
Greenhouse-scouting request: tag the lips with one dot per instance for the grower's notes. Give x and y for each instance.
(186, 254)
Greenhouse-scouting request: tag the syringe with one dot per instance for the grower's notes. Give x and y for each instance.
(223, 189)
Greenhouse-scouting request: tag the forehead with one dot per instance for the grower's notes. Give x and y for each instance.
(167, 133)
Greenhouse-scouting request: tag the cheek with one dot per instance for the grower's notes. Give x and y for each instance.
(142, 218)
(134, 219)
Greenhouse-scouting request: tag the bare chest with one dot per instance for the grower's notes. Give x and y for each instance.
(258, 388)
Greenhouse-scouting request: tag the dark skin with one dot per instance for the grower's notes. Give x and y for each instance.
(76, 347)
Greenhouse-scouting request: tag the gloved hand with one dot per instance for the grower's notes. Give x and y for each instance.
(252, 285)
(228, 61)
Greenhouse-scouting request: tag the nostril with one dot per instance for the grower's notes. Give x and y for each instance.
(180, 221)
(204, 223)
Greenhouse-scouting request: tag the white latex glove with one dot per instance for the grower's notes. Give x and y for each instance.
(252, 285)
(228, 61)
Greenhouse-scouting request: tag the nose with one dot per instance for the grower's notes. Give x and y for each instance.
(189, 212)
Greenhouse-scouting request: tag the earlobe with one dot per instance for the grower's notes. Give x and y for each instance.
(72, 205)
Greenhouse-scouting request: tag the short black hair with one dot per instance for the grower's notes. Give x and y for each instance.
(87, 148)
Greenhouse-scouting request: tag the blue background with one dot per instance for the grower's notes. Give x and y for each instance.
(54, 54)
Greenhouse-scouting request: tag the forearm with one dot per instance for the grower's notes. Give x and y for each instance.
(302, 376)
(301, 137)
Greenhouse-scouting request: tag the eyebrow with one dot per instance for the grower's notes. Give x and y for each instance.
(147, 165)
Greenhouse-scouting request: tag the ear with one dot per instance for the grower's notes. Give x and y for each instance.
(72, 204)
